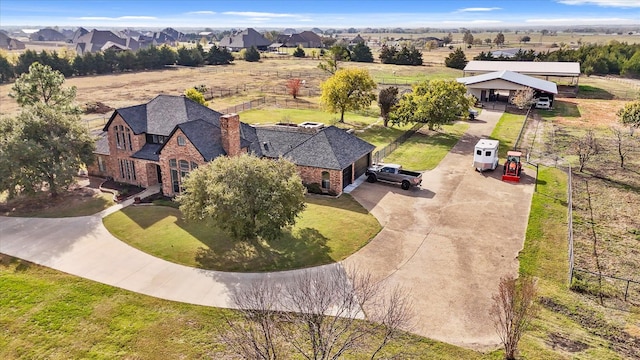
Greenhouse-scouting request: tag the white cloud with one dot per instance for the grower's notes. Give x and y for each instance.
(258, 14)
(104, 18)
(605, 3)
(479, 9)
(204, 12)
(564, 21)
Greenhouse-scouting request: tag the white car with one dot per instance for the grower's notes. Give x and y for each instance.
(543, 103)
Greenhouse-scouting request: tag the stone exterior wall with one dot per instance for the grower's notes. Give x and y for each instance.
(172, 150)
(312, 175)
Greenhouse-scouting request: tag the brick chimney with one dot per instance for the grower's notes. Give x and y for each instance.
(230, 133)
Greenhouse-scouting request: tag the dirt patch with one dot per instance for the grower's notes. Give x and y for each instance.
(43, 202)
(97, 107)
(621, 341)
(560, 341)
(589, 112)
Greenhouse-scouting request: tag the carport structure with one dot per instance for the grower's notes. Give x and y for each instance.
(563, 73)
(487, 87)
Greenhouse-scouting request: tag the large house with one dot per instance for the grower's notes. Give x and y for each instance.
(9, 43)
(161, 141)
(245, 40)
(305, 39)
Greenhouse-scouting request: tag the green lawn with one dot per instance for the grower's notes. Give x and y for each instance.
(425, 151)
(46, 314)
(328, 230)
(507, 131)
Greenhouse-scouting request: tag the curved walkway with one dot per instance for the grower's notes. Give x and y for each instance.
(449, 243)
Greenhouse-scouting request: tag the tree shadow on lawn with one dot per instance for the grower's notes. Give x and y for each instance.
(563, 109)
(592, 92)
(304, 249)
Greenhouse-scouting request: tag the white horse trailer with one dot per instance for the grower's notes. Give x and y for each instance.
(485, 155)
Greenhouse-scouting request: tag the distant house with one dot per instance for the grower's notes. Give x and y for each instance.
(305, 39)
(77, 34)
(245, 40)
(9, 43)
(175, 34)
(47, 35)
(161, 141)
(356, 40)
(95, 40)
(102, 40)
(438, 41)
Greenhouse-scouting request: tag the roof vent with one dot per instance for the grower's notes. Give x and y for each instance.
(265, 145)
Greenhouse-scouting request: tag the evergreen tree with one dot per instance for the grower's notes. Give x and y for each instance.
(252, 54)
(299, 52)
(361, 53)
(456, 60)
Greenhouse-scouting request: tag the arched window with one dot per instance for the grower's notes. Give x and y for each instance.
(326, 183)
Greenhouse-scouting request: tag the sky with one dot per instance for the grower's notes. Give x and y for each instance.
(301, 14)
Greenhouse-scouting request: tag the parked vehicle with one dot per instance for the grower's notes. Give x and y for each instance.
(393, 173)
(473, 114)
(485, 156)
(543, 103)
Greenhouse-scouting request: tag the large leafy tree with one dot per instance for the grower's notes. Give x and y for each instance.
(43, 85)
(630, 114)
(246, 196)
(434, 102)
(457, 59)
(499, 40)
(348, 89)
(43, 145)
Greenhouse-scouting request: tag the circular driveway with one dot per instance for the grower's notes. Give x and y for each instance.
(448, 243)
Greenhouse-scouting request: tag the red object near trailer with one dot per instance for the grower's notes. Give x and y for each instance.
(512, 167)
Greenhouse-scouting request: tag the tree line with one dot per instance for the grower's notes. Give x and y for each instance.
(111, 61)
(615, 58)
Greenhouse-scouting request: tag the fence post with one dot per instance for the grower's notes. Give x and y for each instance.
(626, 291)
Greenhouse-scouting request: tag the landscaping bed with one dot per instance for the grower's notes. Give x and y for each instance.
(120, 190)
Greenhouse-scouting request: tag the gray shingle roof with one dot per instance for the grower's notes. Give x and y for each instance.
(162, 114)
(148, 152)
(329, 148)
(102, 144)
(245, 39)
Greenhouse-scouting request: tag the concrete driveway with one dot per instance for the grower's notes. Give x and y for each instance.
(451, 241)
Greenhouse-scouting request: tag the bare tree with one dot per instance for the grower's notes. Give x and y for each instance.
(523, 98)
(623, 143)
(254, 334)
(512, 311)
(321, 314)
(585, 148)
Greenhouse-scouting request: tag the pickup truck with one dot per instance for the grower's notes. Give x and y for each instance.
(394, 173)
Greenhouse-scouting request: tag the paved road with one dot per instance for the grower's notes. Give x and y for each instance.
(449, 242)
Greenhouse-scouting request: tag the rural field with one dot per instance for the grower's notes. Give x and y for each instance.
(591, 321)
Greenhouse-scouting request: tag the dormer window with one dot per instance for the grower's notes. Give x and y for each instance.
(181, 141)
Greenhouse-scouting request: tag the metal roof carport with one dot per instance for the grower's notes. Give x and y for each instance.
(483, 86)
